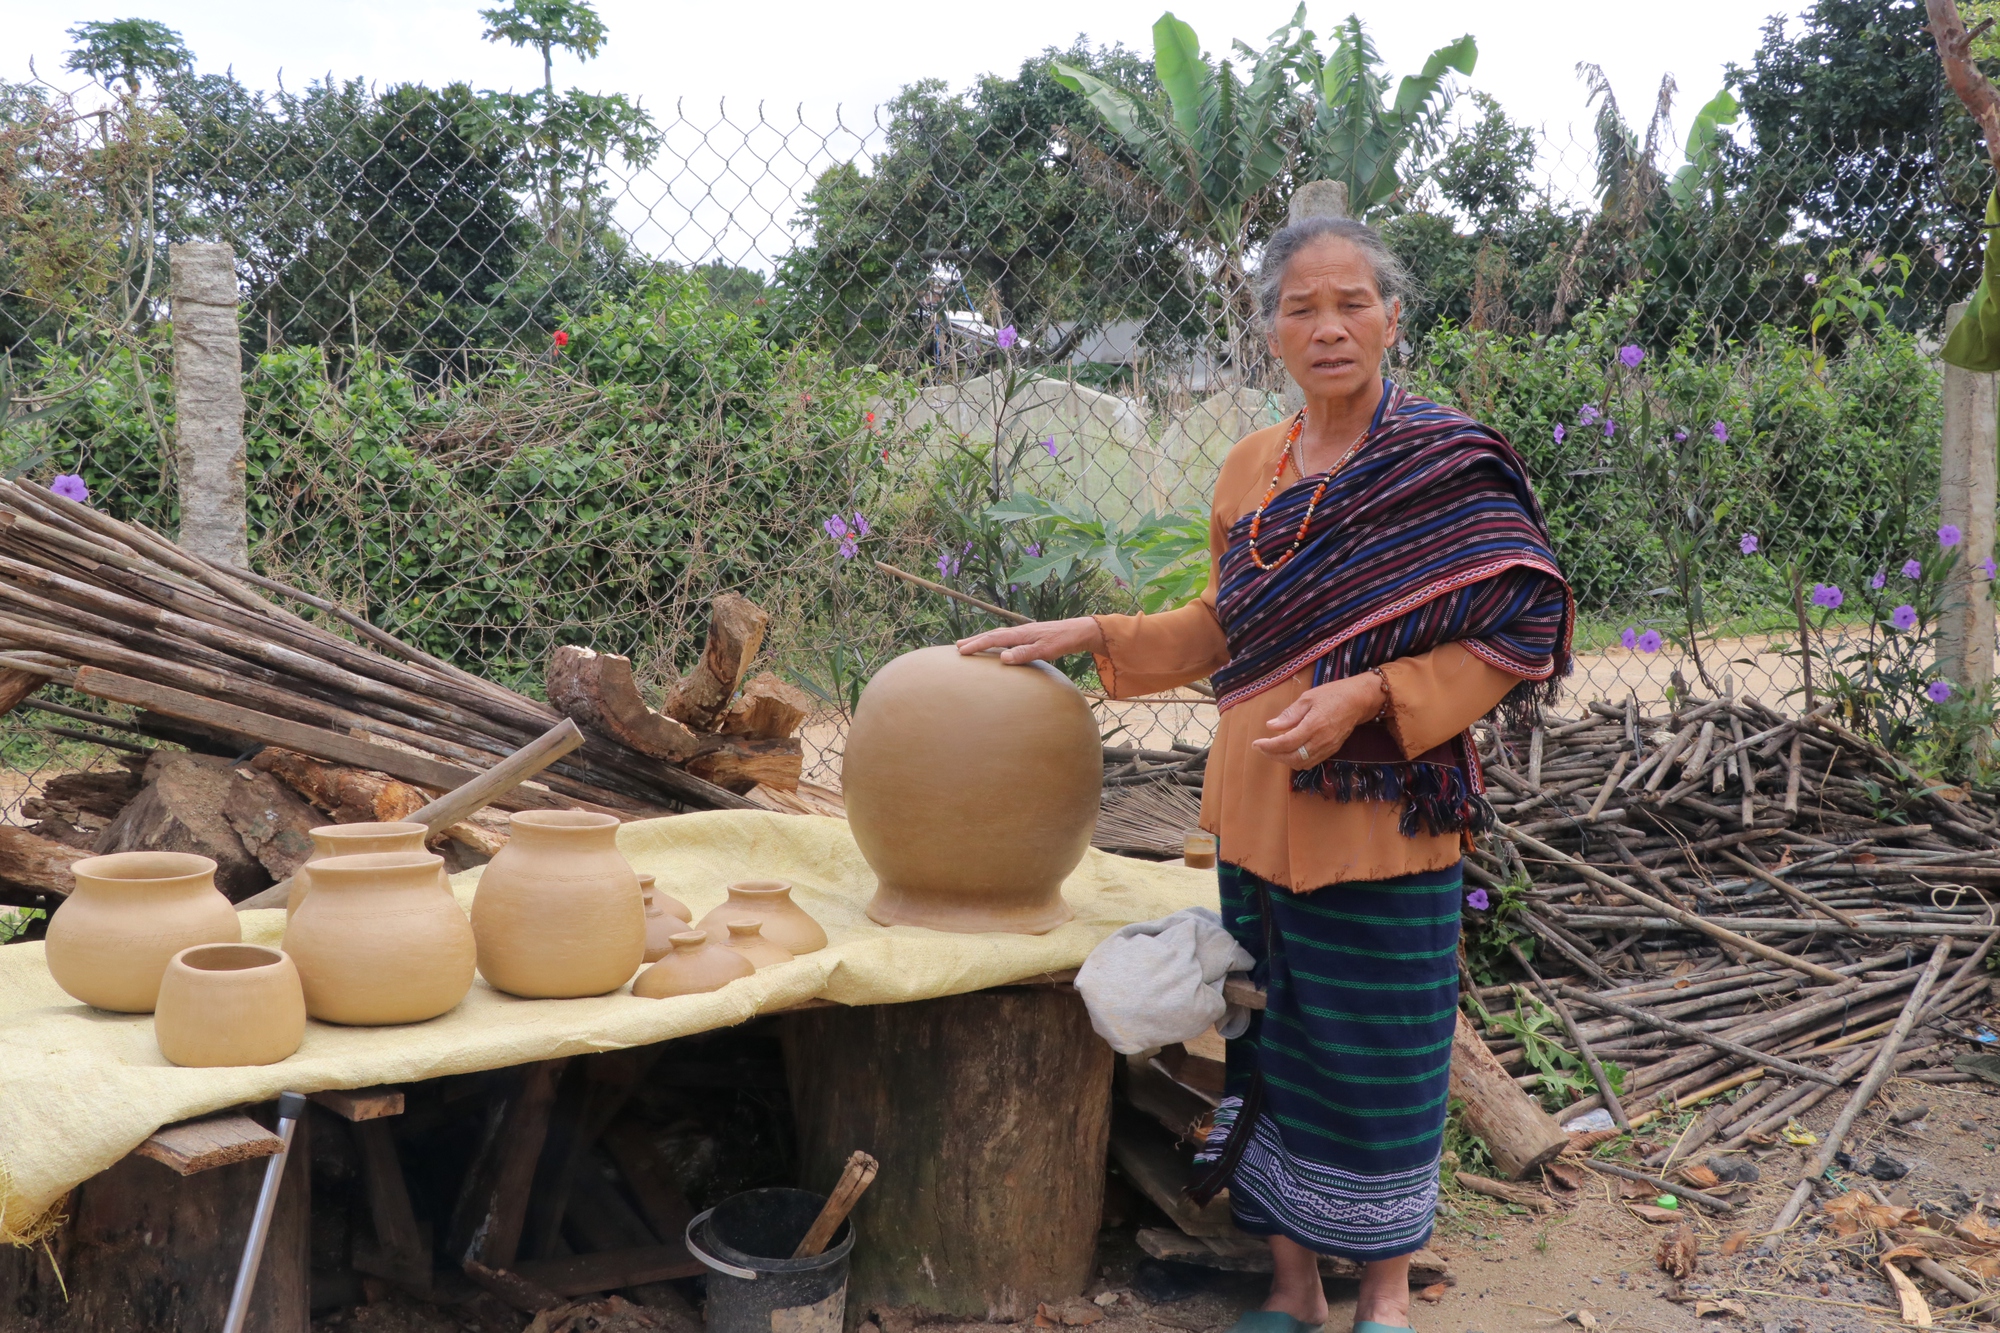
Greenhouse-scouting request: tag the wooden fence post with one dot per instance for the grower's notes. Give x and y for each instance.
(208, 402)
(1966, 498)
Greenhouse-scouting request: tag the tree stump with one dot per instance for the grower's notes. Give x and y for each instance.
(1519, 1134)
(145, 1249)
(990, 1114)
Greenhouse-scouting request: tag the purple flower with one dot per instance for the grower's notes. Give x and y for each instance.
(1720, 432)
(70, 487)
(1610, 427)
(1878, 578)
(1911, 569)
(1559, 432)
(836, 528)
(1477, 900)
(1986, 566)
(1035, 550)
(1006, 337)
(1904, 617)
(1049, 444)
(1812, 279)
(1949, 535)
(1748, 545)
(1588, 415)
(1938, 691)
(848, 548)
(860, 526)
(1680, 437)
(947, 565)
(1828, 596)
(1631, 354)
(1630, 638)
(1649, 642)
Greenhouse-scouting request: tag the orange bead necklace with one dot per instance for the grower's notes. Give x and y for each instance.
(1284, 456)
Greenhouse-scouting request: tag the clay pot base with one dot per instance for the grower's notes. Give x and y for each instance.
(890, 908)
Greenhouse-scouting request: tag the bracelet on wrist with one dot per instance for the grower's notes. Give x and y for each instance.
(1382, 713)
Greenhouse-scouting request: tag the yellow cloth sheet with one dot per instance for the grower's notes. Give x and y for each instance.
(79, 1089)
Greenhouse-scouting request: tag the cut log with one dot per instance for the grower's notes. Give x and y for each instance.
(16, 686)
(990, 1114)
(767, 707)
(735, 633)
(596, 691)
(253, 827)
(1518, 1133)
(347, 795)
(741, 762)
(144, 1249)
(34, 864)
(73, 808)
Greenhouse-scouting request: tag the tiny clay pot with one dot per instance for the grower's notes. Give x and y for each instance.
(353, 840)
(558, 913)
(229, 1004)
(786, 924)
(110, 941)
(747, 938)
(380, 940)
(662, 921)
(693, 965)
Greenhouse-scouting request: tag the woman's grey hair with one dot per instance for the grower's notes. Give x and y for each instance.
(1393, 281)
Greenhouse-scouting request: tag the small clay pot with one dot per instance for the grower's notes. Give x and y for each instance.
(380, 940)
(353, 840)
(786, 924)
(747, 938)
(230, 1004)
(558, 912)
(110, 941)
(666, 902)
(693, 965)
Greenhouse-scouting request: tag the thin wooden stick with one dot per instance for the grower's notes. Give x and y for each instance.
(1012, 617)
(1723, 1044)
(855, 1178)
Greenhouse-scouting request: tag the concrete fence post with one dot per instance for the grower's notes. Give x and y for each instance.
(1966, 498)
(208, 402)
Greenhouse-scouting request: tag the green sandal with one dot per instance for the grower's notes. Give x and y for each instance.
(1370, 1326)
(1273, 1321)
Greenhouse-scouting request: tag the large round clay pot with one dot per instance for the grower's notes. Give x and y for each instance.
(110, 941)
(558, 912)
(694, 964)
(229, 1004)
(972, 789)
(353, 840)
(666, 917)
(747, 938)
(380, 940)
(786, 924)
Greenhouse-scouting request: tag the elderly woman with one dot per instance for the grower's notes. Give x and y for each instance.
(1381, 578)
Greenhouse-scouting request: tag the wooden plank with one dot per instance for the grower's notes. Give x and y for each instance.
(1162, 1172)
(401, 1250)
(200, 1145)
(660, 1200)
(610, 1270)
(361, 1103)
(512, 1288)
(493, 1205)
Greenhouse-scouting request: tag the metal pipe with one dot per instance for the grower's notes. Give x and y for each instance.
(291, 1106)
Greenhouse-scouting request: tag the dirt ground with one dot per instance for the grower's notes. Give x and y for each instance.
(1587, 1263)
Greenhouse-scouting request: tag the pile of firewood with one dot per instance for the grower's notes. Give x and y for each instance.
(297, 691)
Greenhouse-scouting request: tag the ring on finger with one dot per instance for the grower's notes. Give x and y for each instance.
(1305, 755)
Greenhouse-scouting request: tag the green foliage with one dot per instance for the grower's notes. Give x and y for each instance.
(125, 49)
(1360, 136)
(1488, 935)
(14, 922)
(1561, 1077)
(1160, 560)
(546, 25)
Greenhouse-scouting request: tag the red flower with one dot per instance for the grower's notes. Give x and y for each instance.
(562, 340)
(871, 421)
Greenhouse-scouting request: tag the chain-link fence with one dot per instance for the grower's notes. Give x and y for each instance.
(525, 370)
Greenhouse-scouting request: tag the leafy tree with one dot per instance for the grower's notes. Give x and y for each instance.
(1362, 138)
(546, 25)
(125, 49)
(1487, 170)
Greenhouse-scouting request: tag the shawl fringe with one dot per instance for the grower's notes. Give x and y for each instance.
(1435, 798)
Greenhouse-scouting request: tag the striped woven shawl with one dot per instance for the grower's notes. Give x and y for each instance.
(1430, 535)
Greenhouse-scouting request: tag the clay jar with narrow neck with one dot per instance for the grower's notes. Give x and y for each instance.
(558, 913)
(380, 940)
(229, 1004)
(786, 924)
(353, 840)
(972, 789)
(110, 941)
(693, 965)
(666, 917)
(747, 938)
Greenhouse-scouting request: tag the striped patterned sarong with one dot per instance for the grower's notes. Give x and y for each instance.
(1354, 1048)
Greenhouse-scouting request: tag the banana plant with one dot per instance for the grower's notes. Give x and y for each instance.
(1219, 144)
(1361, 137)
(1703, 155)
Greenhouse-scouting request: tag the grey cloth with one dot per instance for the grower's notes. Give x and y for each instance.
(1154, 983)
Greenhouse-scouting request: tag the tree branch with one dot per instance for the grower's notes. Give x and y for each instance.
(1954, 46)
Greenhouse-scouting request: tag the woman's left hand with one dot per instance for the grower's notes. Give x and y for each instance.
(1319, 721)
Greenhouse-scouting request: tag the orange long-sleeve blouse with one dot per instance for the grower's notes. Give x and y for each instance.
(1301, 840)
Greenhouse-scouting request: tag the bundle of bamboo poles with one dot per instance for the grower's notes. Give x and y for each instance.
(214, 655)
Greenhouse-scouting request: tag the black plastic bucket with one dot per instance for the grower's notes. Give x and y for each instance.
(751, 1288)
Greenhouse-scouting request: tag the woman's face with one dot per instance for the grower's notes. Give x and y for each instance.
(1332, 325)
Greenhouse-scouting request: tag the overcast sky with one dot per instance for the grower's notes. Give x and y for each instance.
(785, 53)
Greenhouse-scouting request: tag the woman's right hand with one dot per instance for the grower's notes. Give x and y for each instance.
(1041, 641)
